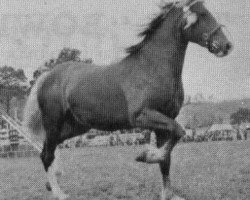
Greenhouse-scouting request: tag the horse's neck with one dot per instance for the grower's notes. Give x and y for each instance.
(167, 54)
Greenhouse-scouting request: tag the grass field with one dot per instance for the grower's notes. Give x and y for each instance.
(204, 171)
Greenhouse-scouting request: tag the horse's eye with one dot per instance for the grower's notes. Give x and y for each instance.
(203, 15)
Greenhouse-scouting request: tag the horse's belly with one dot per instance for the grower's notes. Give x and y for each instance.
(110, 115)
(100, 108)
(102, 116)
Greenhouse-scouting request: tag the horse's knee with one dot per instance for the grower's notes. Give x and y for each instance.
(162, 137)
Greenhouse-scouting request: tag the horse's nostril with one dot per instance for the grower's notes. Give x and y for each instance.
(229, 46)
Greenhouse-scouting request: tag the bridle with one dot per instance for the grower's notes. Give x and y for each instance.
(205, 36)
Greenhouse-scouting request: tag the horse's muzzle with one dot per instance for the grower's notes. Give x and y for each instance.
(220, 50)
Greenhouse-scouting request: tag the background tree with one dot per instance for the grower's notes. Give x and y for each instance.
(199, 98)
(242, 115)
(199, 120)
(68, 54)
(12, 84)
(65, 55)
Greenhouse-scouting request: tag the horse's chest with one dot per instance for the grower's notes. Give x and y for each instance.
(170, 101)
(173, 106)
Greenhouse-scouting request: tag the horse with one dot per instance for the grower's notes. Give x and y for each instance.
(144, 89)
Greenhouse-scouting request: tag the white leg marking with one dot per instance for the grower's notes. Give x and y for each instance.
(57, 164)
(57, 192)
(154, 154)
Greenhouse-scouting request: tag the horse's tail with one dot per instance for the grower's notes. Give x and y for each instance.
(32, 113)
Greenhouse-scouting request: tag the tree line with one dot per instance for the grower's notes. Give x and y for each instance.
(13, 82)
(199, 120)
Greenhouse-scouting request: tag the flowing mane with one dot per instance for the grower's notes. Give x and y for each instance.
(150, 29)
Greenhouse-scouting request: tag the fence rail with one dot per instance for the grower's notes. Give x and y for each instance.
(19, 128)
(14, 151)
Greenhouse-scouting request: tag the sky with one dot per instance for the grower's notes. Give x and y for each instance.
(33, 31)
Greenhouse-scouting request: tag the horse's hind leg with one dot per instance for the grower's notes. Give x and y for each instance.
(48, 158)
(56, 166)
(55, 135)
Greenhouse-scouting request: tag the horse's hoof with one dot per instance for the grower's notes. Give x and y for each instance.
(48, 187)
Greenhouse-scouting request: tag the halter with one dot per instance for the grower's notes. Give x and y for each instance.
(206, 36)
(186, 10)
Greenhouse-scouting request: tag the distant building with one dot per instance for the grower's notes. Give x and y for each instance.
(201, 131)
(245, 126)
(100, 141)
(189, 136)
(200, 134)
(130, 138)
(222, 132)
(189, 133)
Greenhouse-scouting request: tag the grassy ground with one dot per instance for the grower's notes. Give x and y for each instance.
(204, 171)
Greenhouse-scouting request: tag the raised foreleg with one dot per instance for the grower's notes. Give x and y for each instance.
(155, 120)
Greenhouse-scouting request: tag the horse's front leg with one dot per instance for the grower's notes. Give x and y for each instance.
(169, 142)
(168, 133)
(168, 127)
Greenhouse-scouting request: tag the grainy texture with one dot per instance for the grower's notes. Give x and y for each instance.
(33, 32)
(207, 171)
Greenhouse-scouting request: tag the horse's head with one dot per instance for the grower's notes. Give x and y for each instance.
(199, 26)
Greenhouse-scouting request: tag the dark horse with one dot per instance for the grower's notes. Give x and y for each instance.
(142, 90)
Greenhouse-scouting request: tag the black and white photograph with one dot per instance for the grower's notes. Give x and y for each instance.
(124, 100)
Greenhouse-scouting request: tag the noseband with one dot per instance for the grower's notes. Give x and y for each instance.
(207, 37)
